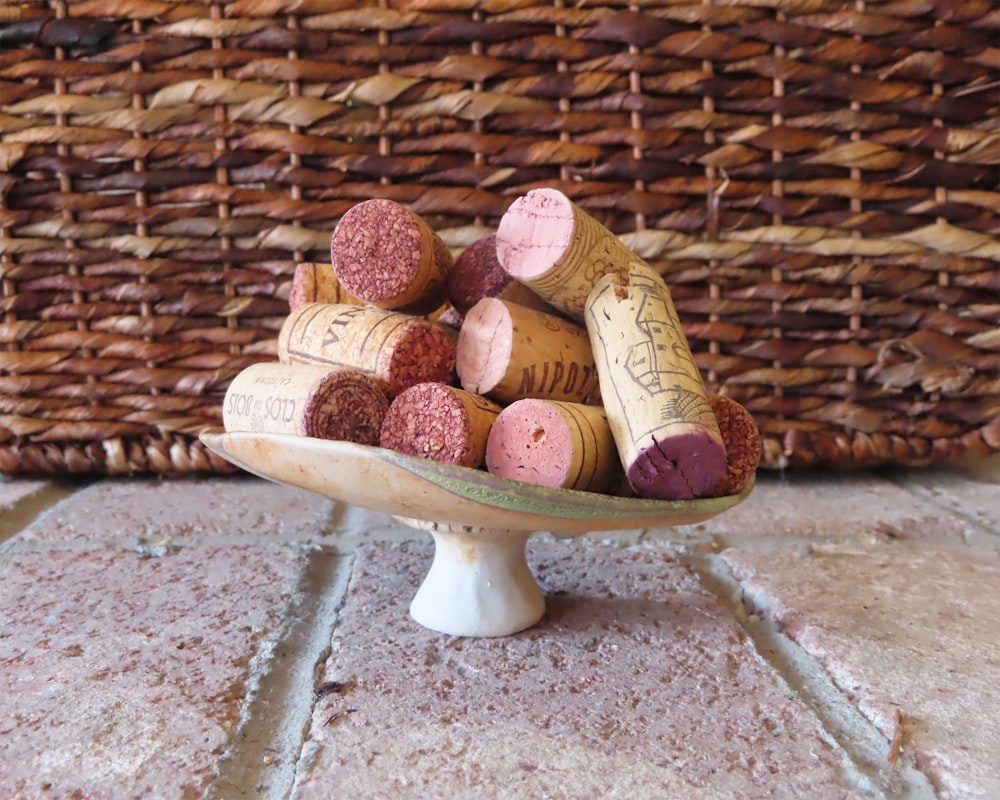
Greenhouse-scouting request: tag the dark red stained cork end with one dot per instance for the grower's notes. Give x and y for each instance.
(429, 421)
(743, 444)
(376, 250)
(423, 353)
(346, 405)
(678, 467)
(477, 274)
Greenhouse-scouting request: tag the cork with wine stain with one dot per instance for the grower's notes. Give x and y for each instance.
(509, 352)
(553, 443)
(440, 423)
(557, 249)
(317, 283)
(398, 350)
(477, 274)
(743, 445)
(320, 402)
(388, 256)
(667, 435)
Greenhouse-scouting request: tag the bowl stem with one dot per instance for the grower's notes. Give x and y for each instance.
(479, 583)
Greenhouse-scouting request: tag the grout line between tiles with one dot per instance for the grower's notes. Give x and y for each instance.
(864, 745)
(262, 759)
(27, 509)
(949, 504)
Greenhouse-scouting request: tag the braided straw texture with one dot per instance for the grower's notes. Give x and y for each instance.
(816, 180)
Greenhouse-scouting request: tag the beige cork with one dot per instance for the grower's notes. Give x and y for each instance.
(552, 443)
(398, 350)
(304, 400)
(440, 423)
(317, 283)
(508, 352)
(551, 245)
(388, 256)
(667, 435)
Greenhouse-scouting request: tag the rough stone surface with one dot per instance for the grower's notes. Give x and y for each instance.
(835, 505)
(910, 635)
(635, 684)
(156, 509)
(977, 497)
(122, 676)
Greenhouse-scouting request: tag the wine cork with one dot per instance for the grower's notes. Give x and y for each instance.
(388, 256)
(667, 435)
(317, 283)
(315, 401)
(440, 423)
(477, 274)
(550, 443)
(743, 445)
(508, 352)
(396, 349)
(449, 318)
(551, 245)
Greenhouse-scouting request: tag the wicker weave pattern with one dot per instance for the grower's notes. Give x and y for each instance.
(816, 180)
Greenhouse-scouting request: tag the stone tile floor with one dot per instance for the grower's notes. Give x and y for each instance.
(836, 636)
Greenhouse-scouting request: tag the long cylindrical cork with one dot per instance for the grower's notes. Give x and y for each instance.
(667, 435)
(509, 352)
(550, 244)
(477, 274)
(388, 256)
(441, 423)
(398, 350)
(743, 445)
(317, 283)
(563, 445)
(324, 403)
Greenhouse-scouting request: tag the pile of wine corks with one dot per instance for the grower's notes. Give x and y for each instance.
(547, 352)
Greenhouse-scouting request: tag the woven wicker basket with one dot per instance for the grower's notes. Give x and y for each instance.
(816, 180)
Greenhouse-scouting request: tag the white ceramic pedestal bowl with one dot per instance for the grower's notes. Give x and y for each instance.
(479, 583)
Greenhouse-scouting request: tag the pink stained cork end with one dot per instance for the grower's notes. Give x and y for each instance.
(347, 405)
(535, 233)
(531, 442)
(376, 250)
(424, 353)
(485, 344)
(303, 288)
(429, 421)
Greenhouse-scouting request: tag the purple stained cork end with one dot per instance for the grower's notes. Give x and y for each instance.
(477, 274)
(680, 467)
(376, 250)
(429, 421)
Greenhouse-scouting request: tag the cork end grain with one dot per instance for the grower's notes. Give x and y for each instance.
(423, 353)
(535, 233)
(376, 250)
(431, 420)
(346, 405)
(743, 445)
(476, 274)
